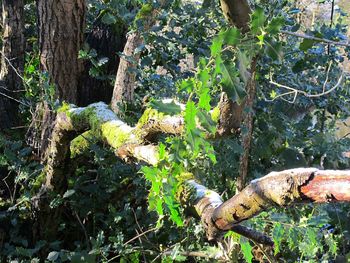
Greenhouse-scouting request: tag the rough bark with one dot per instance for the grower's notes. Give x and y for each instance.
(12, 61)
(248, 123)
(61, 27)
(126, 76)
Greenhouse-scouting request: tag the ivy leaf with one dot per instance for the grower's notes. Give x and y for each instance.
(231, 84)
(247, 251)
(257, 20)
(169, 108)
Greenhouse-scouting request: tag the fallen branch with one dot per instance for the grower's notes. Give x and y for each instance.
(285, 188)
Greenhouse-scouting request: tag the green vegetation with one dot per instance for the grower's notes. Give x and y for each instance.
(115, 210)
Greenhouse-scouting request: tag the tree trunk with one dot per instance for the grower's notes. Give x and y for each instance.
(12, 61)
(61, 31)
(61, 27)
(126, 78)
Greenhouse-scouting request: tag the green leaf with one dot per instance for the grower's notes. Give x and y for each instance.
(232, 36)
(231, 83)
(204, 99)
(306, 44)
(187, 85)
(206, 121)
(277, 235)
(190, 115)
(68, 193)
(204, 76)
(257, 20)
(247, 251)
(169, 108)
(216, 46)
(109, 19)
(275, 25)
(274, 50)
(243, 64)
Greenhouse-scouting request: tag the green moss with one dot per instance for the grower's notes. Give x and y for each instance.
(215, 114)
(64, 108)
(147, 115)
(145, 11)
(114, 135)
(81, 144)
(39, 181)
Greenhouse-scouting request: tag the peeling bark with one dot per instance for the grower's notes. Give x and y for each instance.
(285, 188)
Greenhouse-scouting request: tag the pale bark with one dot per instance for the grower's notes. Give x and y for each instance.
(12, 61)
(125, 82)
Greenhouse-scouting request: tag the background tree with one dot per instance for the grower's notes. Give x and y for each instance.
(12, 61)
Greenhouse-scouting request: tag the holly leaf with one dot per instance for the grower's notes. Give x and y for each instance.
(257, 20)
(216, 46)
(232, 36)
(231, 83)
(274, 50)
(275, 25)
(169, 108)
(190, 115)
(247, 251)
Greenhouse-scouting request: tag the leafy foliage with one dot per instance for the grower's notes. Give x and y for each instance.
(111, 214)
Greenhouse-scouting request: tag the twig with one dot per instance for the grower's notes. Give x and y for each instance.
(84, 230)
(11, 65)
(140, 235)
(324, 40)
(296, 91)
(16, 100)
